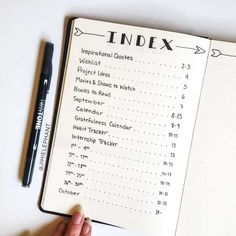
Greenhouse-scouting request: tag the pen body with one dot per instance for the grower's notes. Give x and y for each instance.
(43, 89)
(36, 129)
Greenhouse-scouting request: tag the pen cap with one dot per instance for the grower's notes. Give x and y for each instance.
(47, 60)
(46, 71)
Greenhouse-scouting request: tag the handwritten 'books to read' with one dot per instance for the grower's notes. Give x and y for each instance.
(124, 125)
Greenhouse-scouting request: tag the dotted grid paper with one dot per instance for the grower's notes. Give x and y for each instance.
(126, 119)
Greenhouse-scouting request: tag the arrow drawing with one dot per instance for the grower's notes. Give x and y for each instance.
(197, 49)
(80, 32)
(217, 53)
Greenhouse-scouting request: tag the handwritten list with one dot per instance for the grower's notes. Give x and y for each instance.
(125, 123)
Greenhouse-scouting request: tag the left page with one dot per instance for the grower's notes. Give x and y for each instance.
(125, 122)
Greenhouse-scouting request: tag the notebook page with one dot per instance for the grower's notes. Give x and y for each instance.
(210, 185)
(124, 131)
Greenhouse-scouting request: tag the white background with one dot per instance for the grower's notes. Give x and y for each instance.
(23, 25)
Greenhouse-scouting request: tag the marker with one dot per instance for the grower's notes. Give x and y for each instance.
(43, 89)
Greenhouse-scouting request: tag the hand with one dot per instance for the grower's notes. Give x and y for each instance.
(76, 226)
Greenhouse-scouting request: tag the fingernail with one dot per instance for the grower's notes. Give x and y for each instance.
(87, 226)
(79, 209)
(88, 221)
(78, 215)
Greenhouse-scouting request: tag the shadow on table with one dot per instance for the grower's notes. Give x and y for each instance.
(46, 230)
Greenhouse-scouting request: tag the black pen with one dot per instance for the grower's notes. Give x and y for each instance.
(43, 89)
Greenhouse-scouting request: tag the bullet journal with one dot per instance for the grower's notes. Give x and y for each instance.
(128, 101)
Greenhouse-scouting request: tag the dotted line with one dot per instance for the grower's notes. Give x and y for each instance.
(138, 102)
(124, 168)
(120, 206)
(143, 82)
(153, 63)
(139, 151)
(123, 177)
(133, 100)
(125, 158)
(121, 196)
(138, 141)
(148, 133)
(136, 121)
(140, 71)
(121, 186)
(141, 112)
(156, 94)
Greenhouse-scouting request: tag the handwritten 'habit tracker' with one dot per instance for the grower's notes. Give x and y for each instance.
(125, 123)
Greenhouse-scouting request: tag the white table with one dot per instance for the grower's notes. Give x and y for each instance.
(23, 24)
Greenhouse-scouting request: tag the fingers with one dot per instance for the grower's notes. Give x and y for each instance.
(61, 228)
(86, 229)
(76, 226)
(76, 223)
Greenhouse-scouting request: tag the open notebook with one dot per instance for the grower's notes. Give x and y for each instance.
(124, 124)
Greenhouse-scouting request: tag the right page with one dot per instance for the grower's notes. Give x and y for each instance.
(209, 202)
